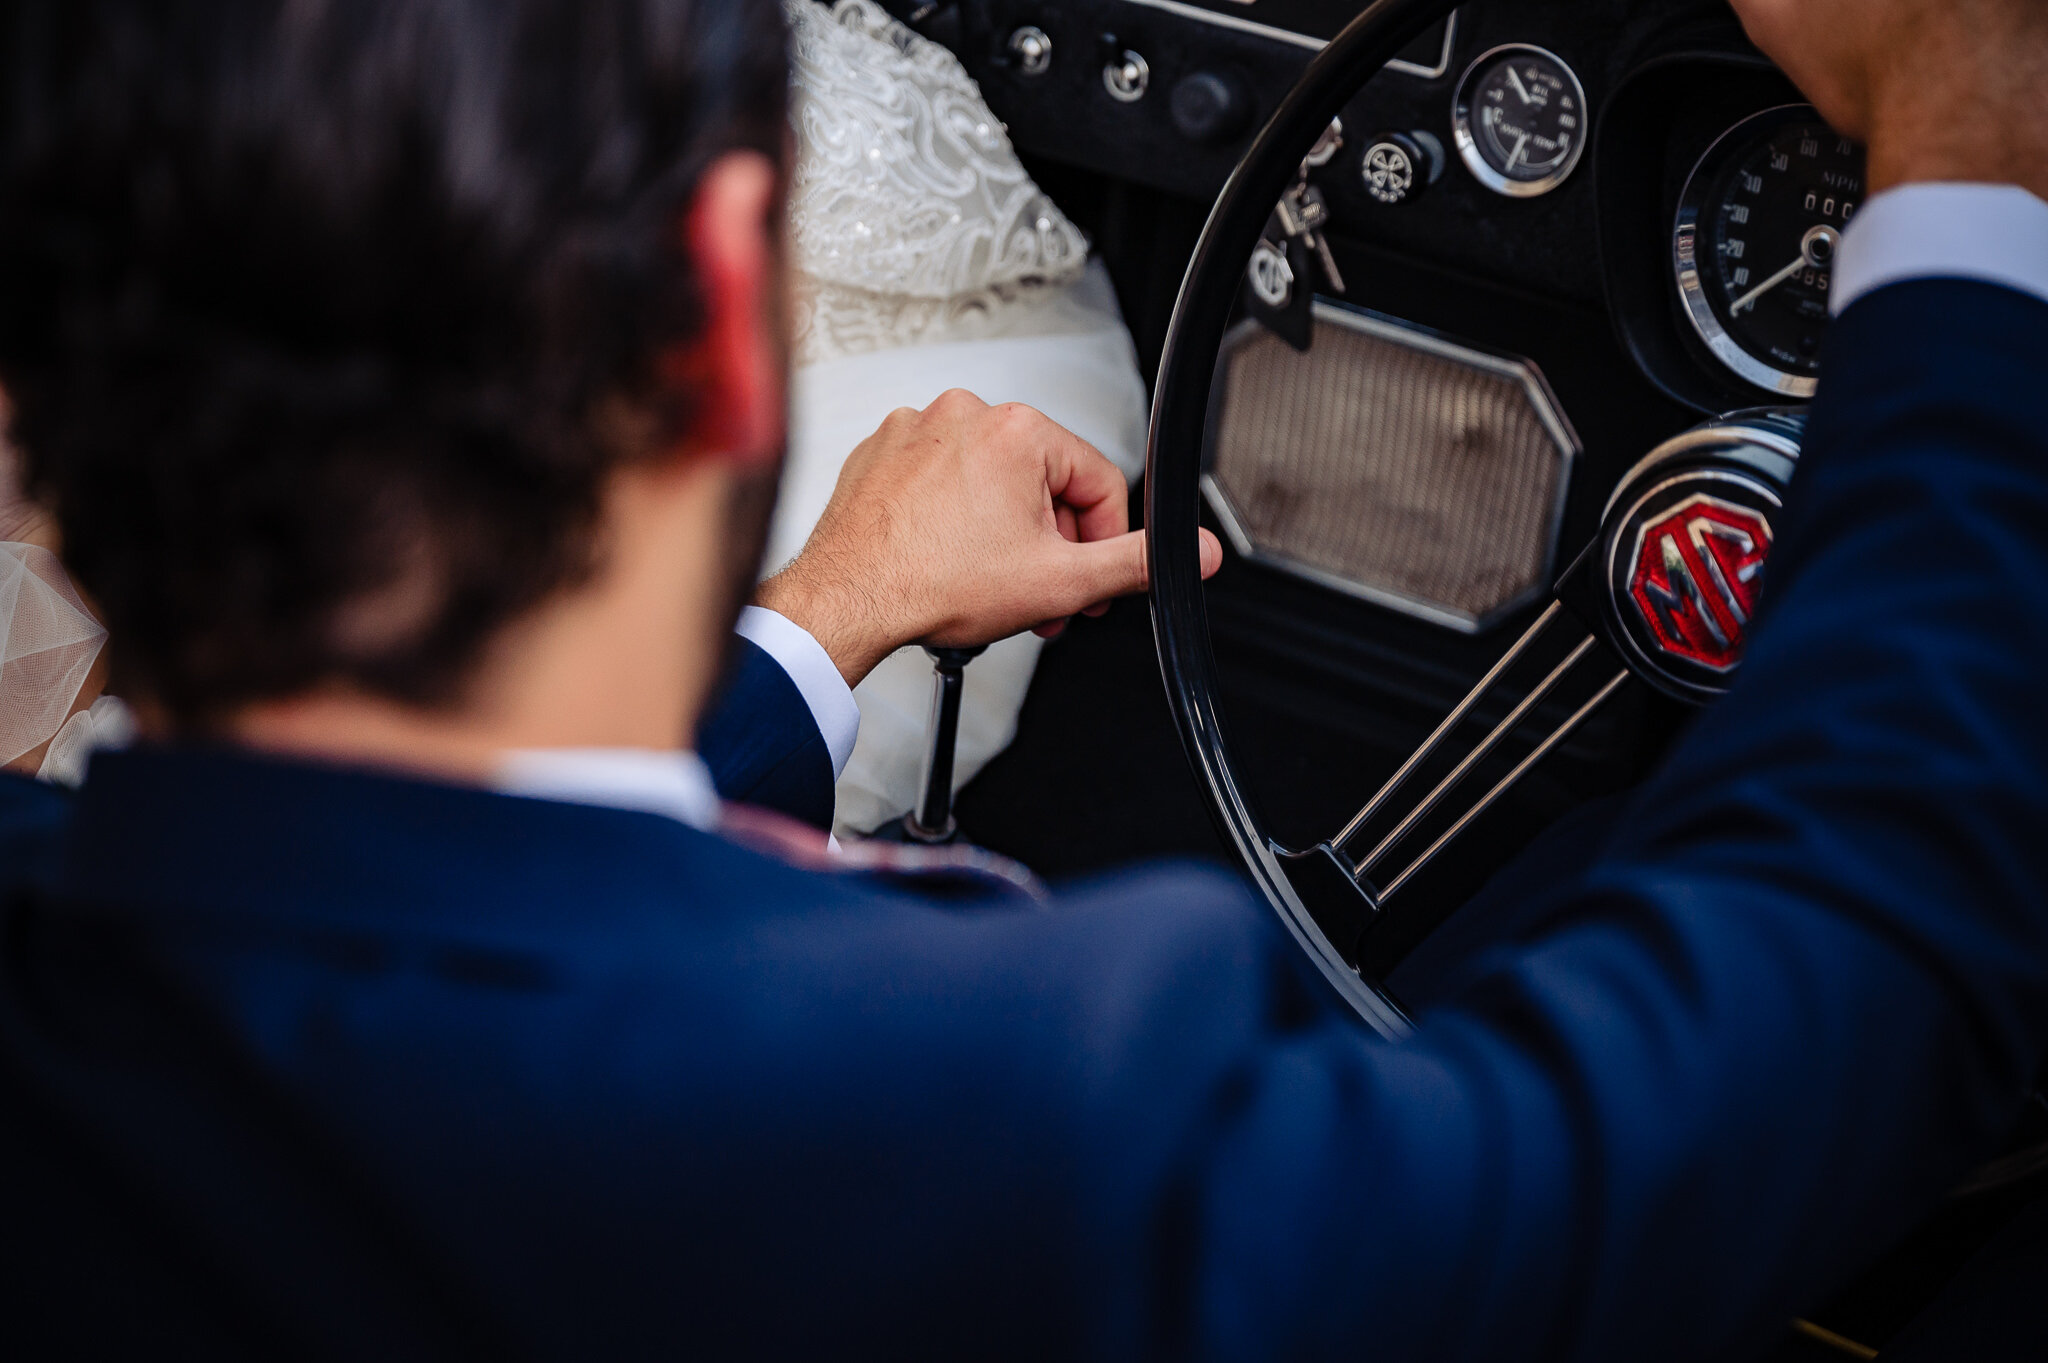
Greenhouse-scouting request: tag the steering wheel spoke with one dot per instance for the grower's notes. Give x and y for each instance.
(1480, 751)
(1340, 889)
(1537, 754)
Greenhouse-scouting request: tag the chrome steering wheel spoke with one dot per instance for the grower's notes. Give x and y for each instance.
(1341, 888)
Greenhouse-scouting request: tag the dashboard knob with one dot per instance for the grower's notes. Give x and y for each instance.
(1031, 49)
(1398, 166)
(1208, 107)
(1127, 76)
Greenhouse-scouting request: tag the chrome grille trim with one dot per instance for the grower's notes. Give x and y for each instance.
(1350, 466)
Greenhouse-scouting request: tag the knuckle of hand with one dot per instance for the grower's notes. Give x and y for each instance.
(1017, 423)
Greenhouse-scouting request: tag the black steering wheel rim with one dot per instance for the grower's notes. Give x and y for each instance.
(1173, 455)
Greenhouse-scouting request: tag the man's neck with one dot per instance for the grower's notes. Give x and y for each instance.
(624, 661)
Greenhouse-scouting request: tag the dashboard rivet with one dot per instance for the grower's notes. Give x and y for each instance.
(1032, 50)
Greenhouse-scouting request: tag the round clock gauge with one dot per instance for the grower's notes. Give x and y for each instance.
(1520, 121)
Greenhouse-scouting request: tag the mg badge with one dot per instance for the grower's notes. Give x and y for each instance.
(1697, 569)
(1683, 548)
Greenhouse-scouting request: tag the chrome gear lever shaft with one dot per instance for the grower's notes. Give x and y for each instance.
(932, 821)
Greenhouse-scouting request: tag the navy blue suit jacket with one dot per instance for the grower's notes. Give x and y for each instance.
(381, 1063)
(762, 743)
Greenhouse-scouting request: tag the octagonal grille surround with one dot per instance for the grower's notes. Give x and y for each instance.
(1442, 377)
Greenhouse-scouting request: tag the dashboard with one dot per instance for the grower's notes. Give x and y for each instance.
(1553, 148)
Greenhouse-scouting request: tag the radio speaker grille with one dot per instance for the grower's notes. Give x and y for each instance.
(1391, 464)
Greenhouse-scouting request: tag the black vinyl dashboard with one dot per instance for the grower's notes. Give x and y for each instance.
(1167, 94)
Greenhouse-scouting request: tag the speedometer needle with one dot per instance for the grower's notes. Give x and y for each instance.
(1748, 300)
(1520, 88)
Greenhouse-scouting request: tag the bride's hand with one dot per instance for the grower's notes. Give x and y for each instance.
(961, 525)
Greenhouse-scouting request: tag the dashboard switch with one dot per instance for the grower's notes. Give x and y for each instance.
(1031, 49)
(1208, 107)
(1398, 166)
(1126, 77)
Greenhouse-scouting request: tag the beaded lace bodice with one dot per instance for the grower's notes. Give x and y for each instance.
(911, 217)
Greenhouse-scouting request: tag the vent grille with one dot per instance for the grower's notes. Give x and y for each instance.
(1391, 464)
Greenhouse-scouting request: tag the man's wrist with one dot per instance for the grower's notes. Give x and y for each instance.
(1915, 159)
(1961, 130)
(835, 612)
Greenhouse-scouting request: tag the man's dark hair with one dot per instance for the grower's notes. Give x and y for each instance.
(324, 322)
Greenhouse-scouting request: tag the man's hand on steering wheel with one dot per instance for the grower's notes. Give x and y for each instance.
(1940, 90)
(960, 525)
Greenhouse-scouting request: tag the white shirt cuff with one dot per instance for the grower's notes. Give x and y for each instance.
(1994, 233)
(811, 668)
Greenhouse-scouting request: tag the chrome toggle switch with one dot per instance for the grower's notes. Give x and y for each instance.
(1031, 49)
(1127, 77)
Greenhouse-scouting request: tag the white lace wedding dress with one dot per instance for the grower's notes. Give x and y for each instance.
(926, 259)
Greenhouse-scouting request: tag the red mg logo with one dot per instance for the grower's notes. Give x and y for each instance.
(1697, 571)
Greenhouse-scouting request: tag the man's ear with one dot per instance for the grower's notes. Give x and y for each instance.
(738, 364)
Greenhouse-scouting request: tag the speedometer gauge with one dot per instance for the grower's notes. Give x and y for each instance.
(1759, 225)
(1519, 120)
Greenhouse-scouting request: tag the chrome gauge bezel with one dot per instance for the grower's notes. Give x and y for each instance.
(1468, 143)
(1692, 289)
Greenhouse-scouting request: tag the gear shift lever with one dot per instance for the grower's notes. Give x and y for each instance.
(932, 822)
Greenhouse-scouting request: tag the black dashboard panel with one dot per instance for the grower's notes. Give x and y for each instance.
(1663, 78)
(1307, 23)
(1065, 111)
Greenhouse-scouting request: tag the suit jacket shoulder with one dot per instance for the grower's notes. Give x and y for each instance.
(620, 1082)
